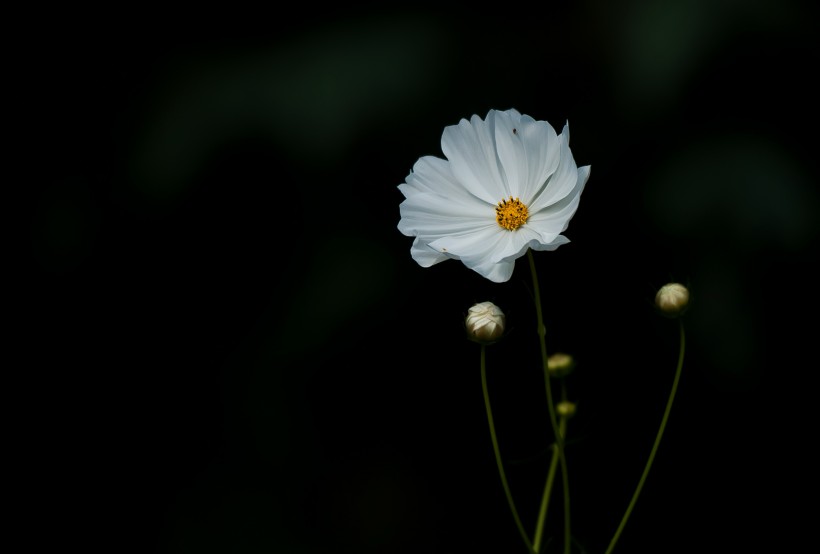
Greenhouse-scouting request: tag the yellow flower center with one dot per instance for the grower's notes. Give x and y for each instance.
(511, 214)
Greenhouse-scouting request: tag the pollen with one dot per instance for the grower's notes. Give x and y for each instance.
(511, 214)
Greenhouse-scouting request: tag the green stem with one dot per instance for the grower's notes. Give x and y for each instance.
(657, 442)
(542, 332)
(498, 452)
(542, 514)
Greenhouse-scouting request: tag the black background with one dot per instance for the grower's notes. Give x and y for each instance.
(228, 348)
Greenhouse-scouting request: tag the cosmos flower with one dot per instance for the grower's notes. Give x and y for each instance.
(509, 183)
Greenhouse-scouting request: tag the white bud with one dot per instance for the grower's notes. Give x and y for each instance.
(672, 299)
(485, 322)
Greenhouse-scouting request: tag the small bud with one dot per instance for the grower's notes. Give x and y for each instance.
(672, 299)
(485, 322)
(560, 364)
(565, 408)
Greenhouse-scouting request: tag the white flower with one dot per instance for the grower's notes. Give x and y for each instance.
(509, 183)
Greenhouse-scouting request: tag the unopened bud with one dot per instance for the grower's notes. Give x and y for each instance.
(485, 322)
(565, 408)
(560, 364)
(672, 299)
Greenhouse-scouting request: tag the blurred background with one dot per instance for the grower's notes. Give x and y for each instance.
(228, 347)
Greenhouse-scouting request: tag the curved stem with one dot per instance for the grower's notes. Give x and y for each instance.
(542, 332)
(498, 452)
(654, 446)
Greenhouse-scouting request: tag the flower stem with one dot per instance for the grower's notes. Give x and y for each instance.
(559, 439)
(654, 446)
(498, 452)
(542, 514)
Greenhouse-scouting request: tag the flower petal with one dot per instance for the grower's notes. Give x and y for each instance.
(552, 245)
(554, 219)
(515, 243)
(496, 272)
(562, 181)
(528, 151)
(431, 174)
(426, 214)
(478, 243)
(510, 152)
(470, 148)
(424, 255)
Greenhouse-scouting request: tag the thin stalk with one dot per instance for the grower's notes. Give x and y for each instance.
(654, 446)
(497, 451)
(559, 440)
(542, 513)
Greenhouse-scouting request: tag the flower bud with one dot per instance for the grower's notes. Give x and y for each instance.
(565, 408)
(560, 364)
(485, 322)
(672, 299)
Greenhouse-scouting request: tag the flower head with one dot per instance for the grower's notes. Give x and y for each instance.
(672, 299)
(509, 183)
(485, 322)
(560, 364)
(565, 408)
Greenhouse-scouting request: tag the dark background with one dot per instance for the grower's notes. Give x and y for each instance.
(228, 348)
